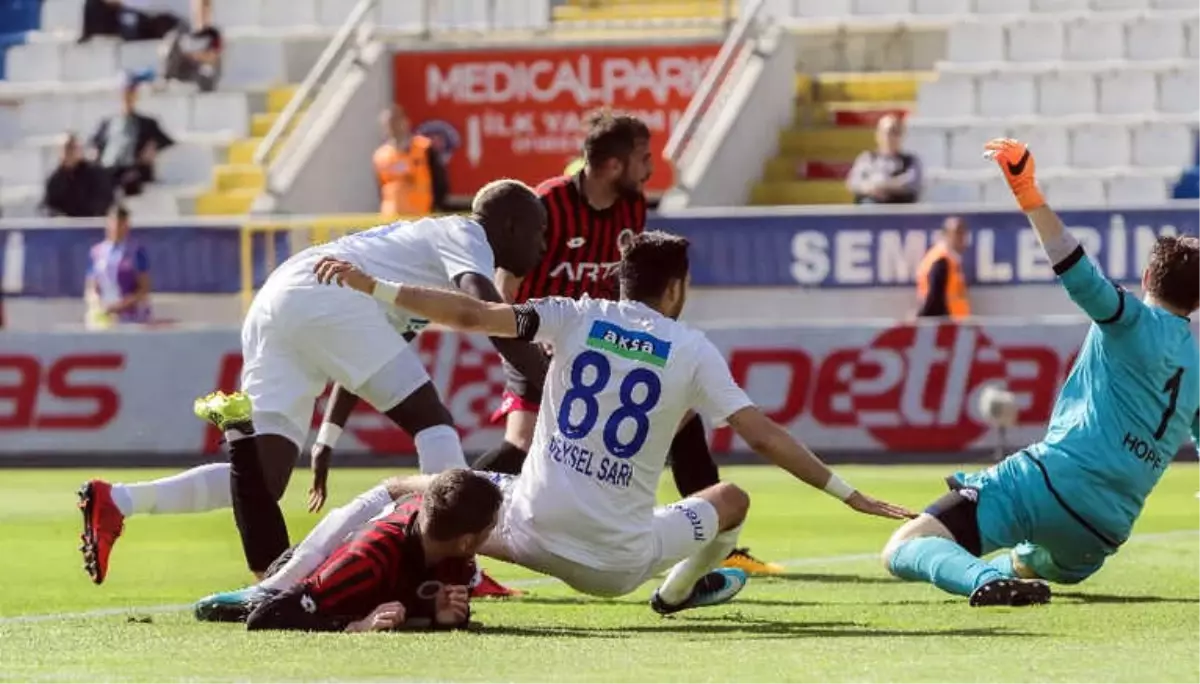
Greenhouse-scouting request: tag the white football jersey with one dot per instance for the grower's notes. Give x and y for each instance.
(621, 381)
(430, 252)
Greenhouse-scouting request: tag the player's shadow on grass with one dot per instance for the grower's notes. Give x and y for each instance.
(748, 629)
(829, 578)
(1077, 597)
(623, 603)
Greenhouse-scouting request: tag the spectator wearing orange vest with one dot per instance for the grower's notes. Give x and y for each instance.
(412, 179)
(941, 285)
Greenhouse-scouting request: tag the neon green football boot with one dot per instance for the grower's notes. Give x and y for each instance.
(226, 411)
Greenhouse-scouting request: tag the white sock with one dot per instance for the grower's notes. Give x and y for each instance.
(326, 536)
(687, 572)
(193, 491)
(438, 449)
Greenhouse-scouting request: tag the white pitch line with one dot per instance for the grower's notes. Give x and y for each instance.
(520, 584)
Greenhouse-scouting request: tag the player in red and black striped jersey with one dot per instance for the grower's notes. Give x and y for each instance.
(590, 216)
(408, 568)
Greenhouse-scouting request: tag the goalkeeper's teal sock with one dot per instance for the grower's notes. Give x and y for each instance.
(1004, 564)
(943, 563)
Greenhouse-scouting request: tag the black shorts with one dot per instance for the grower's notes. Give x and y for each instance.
(957, 510)
(518, 385)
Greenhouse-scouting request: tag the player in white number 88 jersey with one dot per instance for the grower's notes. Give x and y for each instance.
(623, 377)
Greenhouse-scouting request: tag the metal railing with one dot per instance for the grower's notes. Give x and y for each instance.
(744, 30)
(330, 58)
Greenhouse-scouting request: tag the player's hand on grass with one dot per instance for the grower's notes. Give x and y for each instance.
(871, 506)
(452, 605)
(1017, 164)
(345, 274)
(317, 493)
(386, 616)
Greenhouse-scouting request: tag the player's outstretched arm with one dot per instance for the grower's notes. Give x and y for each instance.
(1102, 300)
(767, 438)
(452, 309)
(337, 411)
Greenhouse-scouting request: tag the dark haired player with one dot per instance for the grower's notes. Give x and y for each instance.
(623, 376)
(298, 336)
(409, 566)
(590, 213)
(1066, 503)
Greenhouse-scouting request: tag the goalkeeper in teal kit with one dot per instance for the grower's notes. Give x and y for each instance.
(1065, 504)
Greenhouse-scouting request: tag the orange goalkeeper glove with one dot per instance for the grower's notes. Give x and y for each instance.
(1016, 163)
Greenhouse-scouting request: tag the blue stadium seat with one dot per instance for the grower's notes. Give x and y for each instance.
(17, 17)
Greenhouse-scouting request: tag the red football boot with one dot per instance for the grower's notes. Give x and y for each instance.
(102, 525)
(487, 587)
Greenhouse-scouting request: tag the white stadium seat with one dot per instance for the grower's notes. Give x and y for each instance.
(1136, 189)
(930, 143)
(975, 41)
(90, 109)
(34, 62)
(154, 201)
(22, 166)
(1050, 141)
(229, 14)
(951, 95)
(1191, 29)
(279, 13)
(880, 7)
(1100, 146)
(1003, 6)
(1151, 37)
(966, 146)
(1061, 5)
(1073, 190)
(62, 16)
(942, 7)
(1179, 91)
(333, 13)
(1095, 38)
(1035, 40)
(1007, 94)
(220, 113)
(1119, 5)
(1173, 4)
(1126, 91)
(46, 115)
(1064, 93)
(806, 8)
(952, 191)
(1162, 144)
(253, 62)
(138, 54)
(994, 191)
(173, 111)
(186, 163)
(93, 60)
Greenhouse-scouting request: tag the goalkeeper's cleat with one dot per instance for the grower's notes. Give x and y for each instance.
(102, 526)
(715, 588)
(231, 606)
(1011, 592)
(742, 560)
(1017, 164)
(226, 411)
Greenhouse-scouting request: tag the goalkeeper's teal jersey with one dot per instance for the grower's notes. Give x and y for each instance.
(1127, 407)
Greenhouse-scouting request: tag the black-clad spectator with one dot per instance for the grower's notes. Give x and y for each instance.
(128, 19)
(193, 54)
(77, 188)
(128, 144)
(887, 175)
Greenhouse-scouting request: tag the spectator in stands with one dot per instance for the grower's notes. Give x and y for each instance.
(887, 175)
(77, 188)
(194, 55)
(128, 144)
(941, 284)
(128, 19)
(117, 288)
(412, 178)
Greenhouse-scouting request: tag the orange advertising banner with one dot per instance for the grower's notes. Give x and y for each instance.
(519, 113)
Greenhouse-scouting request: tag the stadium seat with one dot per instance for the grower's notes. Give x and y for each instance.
(234, 14)
(22, 166)
(1094, 38)
(822, 8)
(1100, 145)
(138, 55)
(1152, 37)
(46, 115)
(1003, 6)
(1136, 189)
(1162, 144)
(994, 192)
(1126, 91)
(64, 16)
(1065, 93)
(942, 7)
(284, 13)
(173, 110)
(1005, 94)
(951, 95)
(1191, 29)
(253, 62)
(1073, 190)
(1173, 4)
(882, 7)
(929, 143)
(95, 59)
(1179, 90)
(186, 163)
(966, 146)
(1035, 40)
(334, 12)
(953, 190)
(975, 41)
(1119, 5)
(1050, 141)
(34, 62)
(1061, 5)
(220, 112)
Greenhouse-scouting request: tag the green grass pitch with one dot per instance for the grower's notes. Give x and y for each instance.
(836, 617)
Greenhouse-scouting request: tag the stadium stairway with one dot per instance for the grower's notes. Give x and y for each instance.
(637, 10)
(238, 182)
(835, 120)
